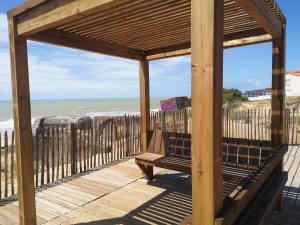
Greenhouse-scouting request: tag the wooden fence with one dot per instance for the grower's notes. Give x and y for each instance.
(64, 150)
(237, 123)
(7, 165)
(61, 151)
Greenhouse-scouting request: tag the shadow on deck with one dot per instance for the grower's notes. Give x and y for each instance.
(290, 213)
(171, 206)
(119, 194)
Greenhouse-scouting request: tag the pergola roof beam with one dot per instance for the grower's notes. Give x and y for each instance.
(83, 43)
(261, 12)
(237, 39)
(59, 12)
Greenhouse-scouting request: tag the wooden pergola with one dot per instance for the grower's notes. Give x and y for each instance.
(145, 30)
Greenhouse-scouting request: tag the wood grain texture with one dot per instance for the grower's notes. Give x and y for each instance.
(144, 104)
(140, 24)
(22, 123)
(207, 87)
(261, 12)
(57, 12)
(278, 97)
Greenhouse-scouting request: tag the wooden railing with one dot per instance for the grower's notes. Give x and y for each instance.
(64, 150)
(237, 123)
(7, 165)
(61, 151)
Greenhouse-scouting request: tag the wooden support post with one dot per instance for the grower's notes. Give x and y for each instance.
(144, 104)
(22, 123)
(207, 88)
(278, 97)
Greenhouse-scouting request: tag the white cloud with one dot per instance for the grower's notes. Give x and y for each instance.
(57, 72)
(3, 28)
(257, 83)
(83, 74)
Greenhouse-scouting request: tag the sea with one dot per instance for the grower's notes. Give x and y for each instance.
(75, 108)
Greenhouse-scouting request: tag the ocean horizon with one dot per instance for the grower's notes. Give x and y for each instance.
(75, 108)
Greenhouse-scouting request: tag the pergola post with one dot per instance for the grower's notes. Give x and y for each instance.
(144, 104)
(278, 96)
(207, 92)
(22, 123)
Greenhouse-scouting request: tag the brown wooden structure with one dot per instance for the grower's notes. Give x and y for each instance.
(144, 30)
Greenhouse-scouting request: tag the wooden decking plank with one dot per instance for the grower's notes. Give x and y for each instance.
(56, 200)
(68, 197)
(14, 209)
(41, 211)
(127, 198)
(87, 187)
(9, 217)
(79, 190)
(54, 208)
(84, 196)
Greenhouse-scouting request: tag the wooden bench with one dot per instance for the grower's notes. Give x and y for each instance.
(247, 165)
(173, 151)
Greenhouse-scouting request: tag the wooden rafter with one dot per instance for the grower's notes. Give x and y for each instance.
(83, 43)
(263, 14)
(238, 39)
(144, 25)
(58, 12)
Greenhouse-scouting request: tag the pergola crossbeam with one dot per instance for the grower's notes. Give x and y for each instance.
(238, 39)
(262, 13)
(88, 44)
(58, 12)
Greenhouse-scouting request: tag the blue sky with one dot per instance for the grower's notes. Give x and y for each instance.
(60, 73)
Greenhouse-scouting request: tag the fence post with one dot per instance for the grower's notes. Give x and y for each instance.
(73, 148)
(127, 135)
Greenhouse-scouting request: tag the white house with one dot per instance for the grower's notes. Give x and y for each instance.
(292, 88)
(292, 83)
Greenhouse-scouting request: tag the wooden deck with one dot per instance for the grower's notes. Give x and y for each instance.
(290, 214)
(119, 194)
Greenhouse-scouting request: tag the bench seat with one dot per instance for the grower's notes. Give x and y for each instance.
(167, 162)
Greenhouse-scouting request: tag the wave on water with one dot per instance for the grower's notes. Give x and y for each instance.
(8, 125)
(116, 113)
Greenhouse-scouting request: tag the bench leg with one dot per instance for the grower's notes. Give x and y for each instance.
(147, 170)
(279, 202)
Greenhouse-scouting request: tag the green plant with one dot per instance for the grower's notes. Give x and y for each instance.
(231, 95)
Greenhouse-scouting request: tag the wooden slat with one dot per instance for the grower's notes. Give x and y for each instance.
(139, 24)
(12, 161)
(5, 164)
(231, 40)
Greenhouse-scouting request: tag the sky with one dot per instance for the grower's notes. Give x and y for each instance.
(62, 73)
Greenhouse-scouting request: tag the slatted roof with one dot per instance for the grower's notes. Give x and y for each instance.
(147, 26)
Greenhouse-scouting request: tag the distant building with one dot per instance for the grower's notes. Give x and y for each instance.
(292, 83)
(257, 93)
(292, 88)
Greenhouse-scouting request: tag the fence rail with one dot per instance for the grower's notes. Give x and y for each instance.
(63, 150)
